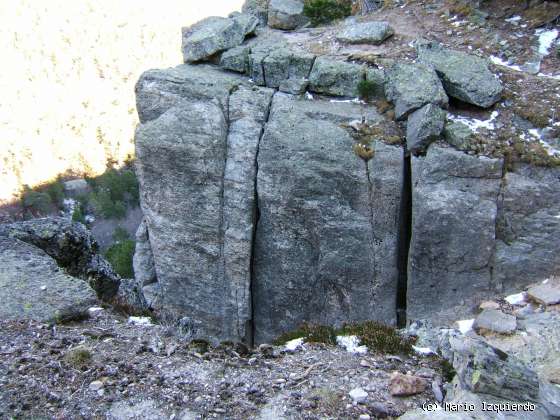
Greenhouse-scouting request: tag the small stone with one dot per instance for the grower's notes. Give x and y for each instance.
(492, 320)
(266, 350)
(489, 304)
(358, 395)
(364, 417)
(546, 294)
(405, 385)
(95, 386)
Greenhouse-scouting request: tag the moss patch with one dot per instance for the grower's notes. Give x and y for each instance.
(79, 358)
(321, 12)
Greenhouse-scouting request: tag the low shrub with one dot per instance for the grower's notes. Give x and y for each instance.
(78, 358)
(36, 202)
(366, 90)
(121, 254)
(321, 12)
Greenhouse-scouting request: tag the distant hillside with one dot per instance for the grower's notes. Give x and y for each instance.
(68, 75)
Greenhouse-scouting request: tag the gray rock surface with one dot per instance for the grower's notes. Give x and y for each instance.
(257, 8)
(337, 78)
(458, 135)
(283, 64)
(286, 14)
(423, 127)
(546, 294)
(73, 248)
(326, 237)
(464, 76)
(454, 214)
(32, 286)
(377, 77)
(76, 187)
(493, 320)
(371, 32)
(528, 244)
(411, 86)
(215, 34)
(143, 261)
(236, 59)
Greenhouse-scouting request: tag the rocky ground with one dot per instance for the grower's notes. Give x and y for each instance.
(150, 371)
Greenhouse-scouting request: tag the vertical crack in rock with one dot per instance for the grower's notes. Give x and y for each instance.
(403, 239)
(374, 240)
(495, 285)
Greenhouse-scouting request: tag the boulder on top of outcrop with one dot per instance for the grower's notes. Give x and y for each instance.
(236, 59)
(215, 34)
(334, 77)
(545, 294)
(528, 244)
(286, 14)
(32, 286)
(257, 8)
(423, 127)
(494, 321)
(464, 76)
(325, 247)
(365, 32)
(454, 211)
(411, 86)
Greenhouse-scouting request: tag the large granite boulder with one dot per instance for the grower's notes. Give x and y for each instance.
(257, 8)
(214, 34)
(286, 14)
(411, 86)
(284, 64)
(325, 246)
(528, 244)
(32, 286)
(236, 59)
(454, 215)
(336, 78)
(464, 76)
(371, 32)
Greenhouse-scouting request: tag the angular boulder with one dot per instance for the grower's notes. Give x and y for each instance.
(545, 294)
(494, 321)
(336, 78)
(411, 86)
(236, 59)
(423, 127)
(464, 76)
(283, 64)
(365, 33)
(286, 14)
(214, 34)
(257, 8)
(326, 236)
(458, 135)
(32, 286)
(454, 212)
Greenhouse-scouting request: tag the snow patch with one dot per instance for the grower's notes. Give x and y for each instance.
(475, 124)
(294, 344)
(513, 19)
(308, 96)
(347, 101)
(465, 325)
(140, 320)
(423, 350)
(516, 299)
(351, 343)
(500, 62)
(546, 39)
(550, 76)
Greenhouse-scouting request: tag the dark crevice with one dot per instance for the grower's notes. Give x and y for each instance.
(374, 240)
(403, 239)
(256, 217)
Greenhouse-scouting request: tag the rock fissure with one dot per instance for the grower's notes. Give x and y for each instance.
(374, 239)
(403, 239)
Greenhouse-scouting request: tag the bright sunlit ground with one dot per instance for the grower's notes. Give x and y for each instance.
(68, 74)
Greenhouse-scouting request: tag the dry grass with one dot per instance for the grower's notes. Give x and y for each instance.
(68, 75)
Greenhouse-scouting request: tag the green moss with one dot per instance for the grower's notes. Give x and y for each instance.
(311, 332)
(321, 12)
(379, 337)
(447, 370)
(367, 90)
(79, 358)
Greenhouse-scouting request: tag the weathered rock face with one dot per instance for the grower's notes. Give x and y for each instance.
(453, 232)
(32, 286)
(423, 127)
(528, 243)
(465, 77)
(286, 14)
(143, 262)
(326, 240)
(336, 78)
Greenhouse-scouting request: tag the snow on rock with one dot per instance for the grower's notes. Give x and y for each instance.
(546, 39)
(473, 123)
(351, 343)
(348, 101)
(423, 350)
(308, 96)
(513, 19)
(294, 344)
(465, 325)
(500, 62)
(516, 299)
(140, 320)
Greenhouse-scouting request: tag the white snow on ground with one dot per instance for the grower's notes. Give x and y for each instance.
(500, 62)
(546, 39)
(513, 19)
(465, 325)
(473, 123)
(550, 76)
(347, 101)
(351, 343)
(537, 135)
(294, 344)
(140, 320)
(459, 23)
(308, 96)
(516, 299)
(423, 350)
